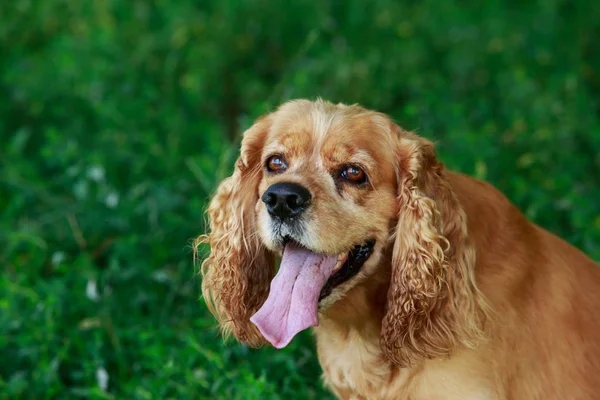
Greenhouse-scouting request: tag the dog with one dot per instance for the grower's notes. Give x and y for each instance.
(420, 283)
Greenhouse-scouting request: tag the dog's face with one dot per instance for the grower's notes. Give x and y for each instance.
(329, 184)
(339, 191)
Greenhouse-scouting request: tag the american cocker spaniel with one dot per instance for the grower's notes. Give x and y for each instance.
(420, 283)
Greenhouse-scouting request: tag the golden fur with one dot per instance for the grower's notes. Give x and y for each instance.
(463, 298)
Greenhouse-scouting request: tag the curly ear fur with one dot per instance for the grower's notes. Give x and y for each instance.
(433, 304)
(238, 270)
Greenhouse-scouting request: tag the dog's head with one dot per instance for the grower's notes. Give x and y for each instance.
(336, 191)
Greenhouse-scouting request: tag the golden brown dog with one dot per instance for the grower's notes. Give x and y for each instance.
(421, 283)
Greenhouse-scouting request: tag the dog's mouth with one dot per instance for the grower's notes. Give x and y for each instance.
(303, 280)
(348, 266)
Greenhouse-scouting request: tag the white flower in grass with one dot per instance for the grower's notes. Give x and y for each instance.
(102, 379)
(81, 190)
(96, 173)
(57, 258)
(112, 200)
(91, 290)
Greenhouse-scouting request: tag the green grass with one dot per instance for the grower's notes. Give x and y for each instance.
(120, 118)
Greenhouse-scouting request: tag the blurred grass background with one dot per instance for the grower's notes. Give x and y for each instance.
(119, 118)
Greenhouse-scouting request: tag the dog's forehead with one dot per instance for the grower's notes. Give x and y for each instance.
(335, 133)
(354, 138)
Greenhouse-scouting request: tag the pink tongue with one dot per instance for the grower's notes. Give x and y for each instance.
(292, 305)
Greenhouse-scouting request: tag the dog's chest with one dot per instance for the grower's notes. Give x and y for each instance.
(356, 369)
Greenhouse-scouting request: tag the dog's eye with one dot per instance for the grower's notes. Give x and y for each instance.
(276, 164)
(354, 174)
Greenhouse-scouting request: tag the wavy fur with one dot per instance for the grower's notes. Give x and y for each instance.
(237, 273)
(433, 305)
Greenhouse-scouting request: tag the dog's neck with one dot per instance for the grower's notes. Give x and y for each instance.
(348, 341)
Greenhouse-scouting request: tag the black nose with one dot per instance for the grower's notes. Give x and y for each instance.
(286, 199)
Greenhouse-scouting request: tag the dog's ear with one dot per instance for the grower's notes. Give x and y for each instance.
(433, 304)
(238, 270)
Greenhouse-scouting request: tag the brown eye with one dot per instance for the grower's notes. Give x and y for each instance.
(354, 174)
(276, 164)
